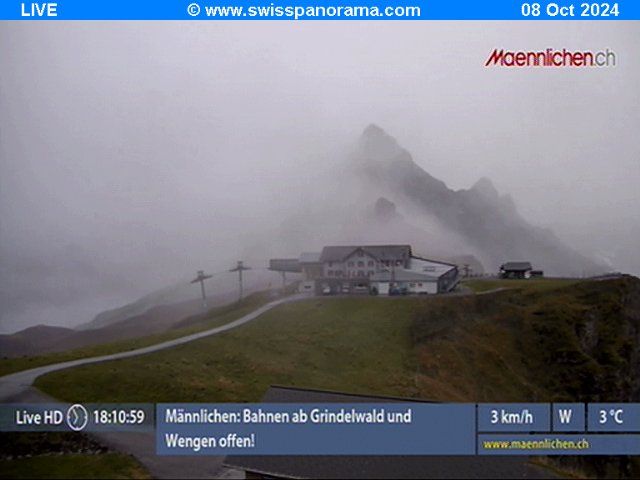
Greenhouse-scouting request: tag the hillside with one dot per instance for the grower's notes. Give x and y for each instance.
(101, 345)
(561, 341)
(578, 342)
(44, 339)
(32, 340)
(575, 343)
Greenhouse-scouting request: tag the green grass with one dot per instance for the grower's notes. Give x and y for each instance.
(570, 343)
(513, 345)
(539, 284)
(547, 342)
(108, 465)
(351, 344)
(220, 316)
(215, 317)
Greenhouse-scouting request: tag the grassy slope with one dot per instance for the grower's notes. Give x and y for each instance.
(538, 342)
(108, 465)
(353, 344)
(216, 316)
(571, 343)
(541, 284)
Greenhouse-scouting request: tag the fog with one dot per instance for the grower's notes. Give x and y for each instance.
(134, 154)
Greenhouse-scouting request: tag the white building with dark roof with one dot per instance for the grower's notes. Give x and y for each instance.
(380, 269)
(422, 276)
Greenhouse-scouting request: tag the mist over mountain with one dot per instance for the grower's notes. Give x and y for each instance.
(384, 196)
(486, 221)
(377, 195)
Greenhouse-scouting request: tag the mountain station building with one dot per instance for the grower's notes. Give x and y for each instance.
(377, 269)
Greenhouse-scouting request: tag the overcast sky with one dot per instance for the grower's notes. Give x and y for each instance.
(132, 154)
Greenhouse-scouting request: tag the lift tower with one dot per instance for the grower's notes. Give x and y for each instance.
(240, 268)
(200, 278)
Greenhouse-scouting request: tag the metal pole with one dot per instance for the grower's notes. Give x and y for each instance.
(239, 268)
(393, 274)
(204, 296)
(200, 278)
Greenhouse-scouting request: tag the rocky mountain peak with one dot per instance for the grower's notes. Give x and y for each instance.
(488, 222)
(485, 187)
(378, 145)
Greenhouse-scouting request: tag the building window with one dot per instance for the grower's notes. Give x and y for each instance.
(398, 262)
(330, 273)
(419, 284)
(371, 272)
(412, 285)
(360, 253)
(331, 264)
(370, 263)
(361, 264)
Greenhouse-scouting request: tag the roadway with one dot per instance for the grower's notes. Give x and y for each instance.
(18, 388)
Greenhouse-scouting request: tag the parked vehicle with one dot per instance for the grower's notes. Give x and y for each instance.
(361, 289)
(398, 291)
(326, 290)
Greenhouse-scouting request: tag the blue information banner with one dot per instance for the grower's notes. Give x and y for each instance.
(316, 429)
(320, 10)
(394, 428)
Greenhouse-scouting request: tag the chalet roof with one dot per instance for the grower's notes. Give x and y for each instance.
(380, 252)
(517, 266)
(349, 466)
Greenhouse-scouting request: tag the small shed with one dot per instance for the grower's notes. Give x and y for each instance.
(515, 270)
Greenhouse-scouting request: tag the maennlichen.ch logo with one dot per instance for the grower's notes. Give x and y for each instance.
(552, 58)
